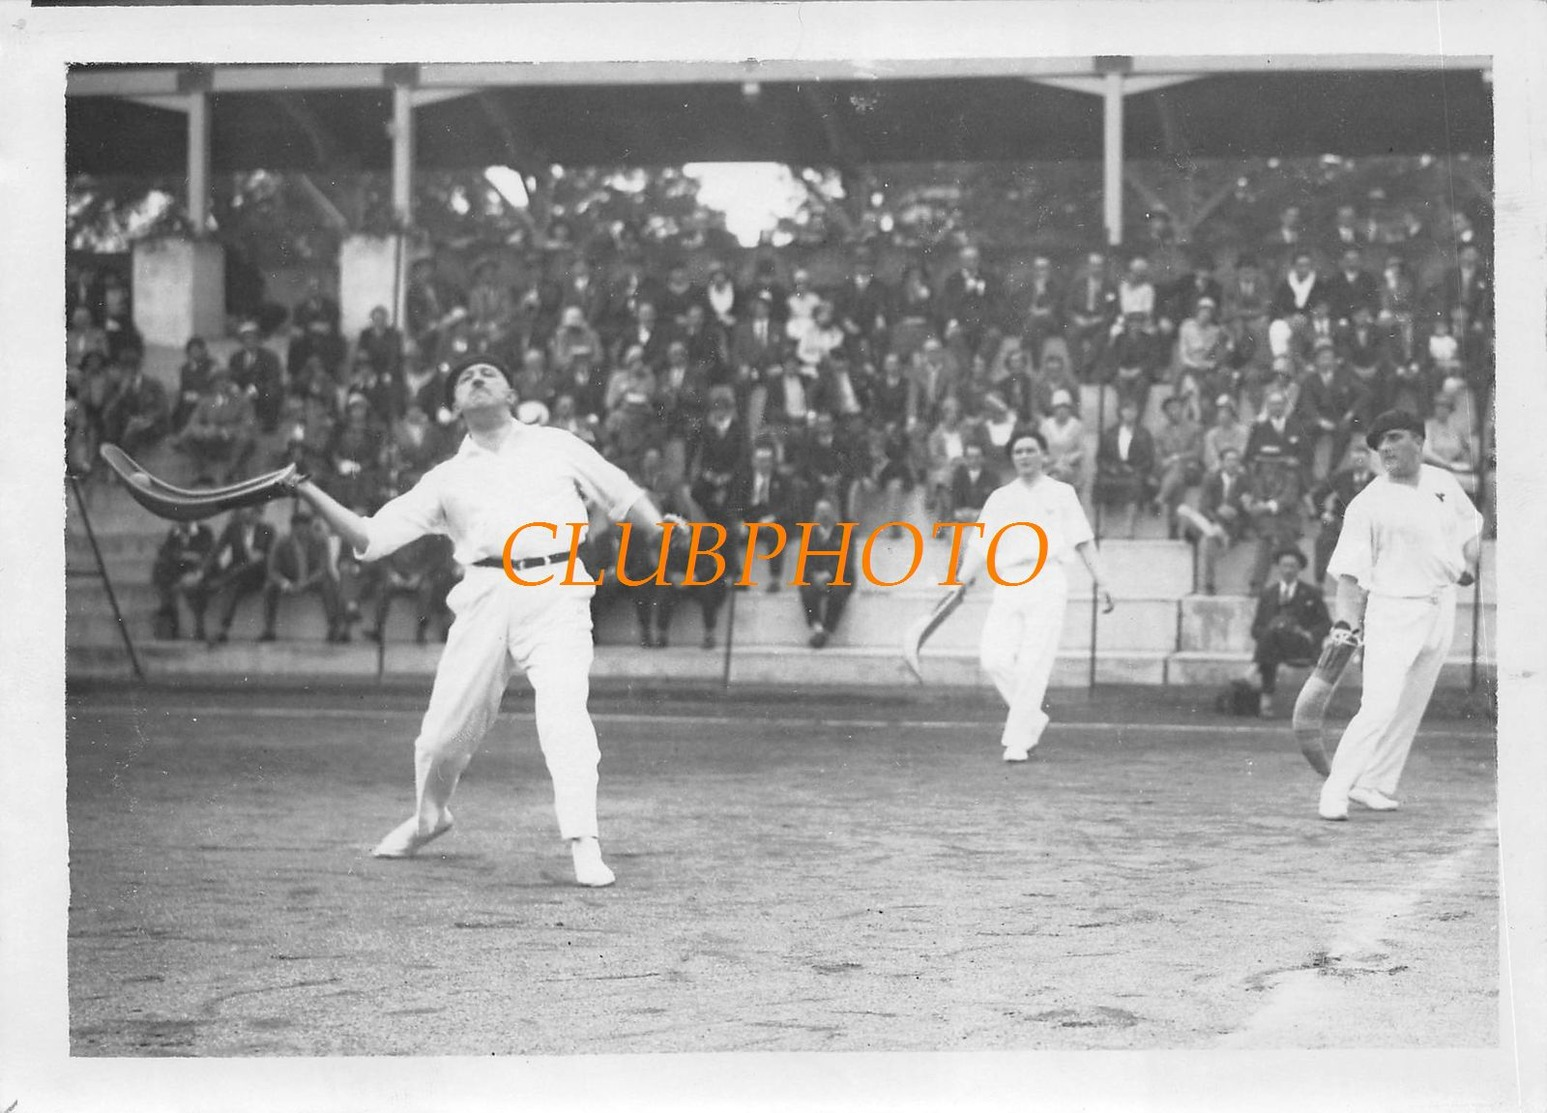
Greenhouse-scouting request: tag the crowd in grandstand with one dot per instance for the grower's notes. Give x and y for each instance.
(751, 393)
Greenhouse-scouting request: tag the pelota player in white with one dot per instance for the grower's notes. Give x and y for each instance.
(504, 475)
(1019, 643)
(1409, 538)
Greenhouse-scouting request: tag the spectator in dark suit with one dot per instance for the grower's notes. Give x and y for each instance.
(648, 334)
(1331, 500)
(1274, 501)
(1298, 290)
(137, 414)
(177, 574)
(1125, 464)
(384, 345)
(258, 372)
(300, 563)
(764, 495)
(821, 598)
(1181, 299)
(193, 379)
(1043, 317)
(1090, 306)
(970, 298)
(315, 306)
(723, 302)
(1467, 284)
(1277, 432)
(1221, 518)
(1352, 288)
(1178, 460)
(862, 307)
(1329, 406)
(1136, 359)
(238, 564)
(679, 292)
(971, 485)
(319, 341)
(1290, 624)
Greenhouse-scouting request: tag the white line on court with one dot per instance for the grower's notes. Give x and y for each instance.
(1302, 1003)
(196, 711)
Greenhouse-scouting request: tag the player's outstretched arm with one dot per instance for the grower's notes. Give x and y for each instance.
(343, 521)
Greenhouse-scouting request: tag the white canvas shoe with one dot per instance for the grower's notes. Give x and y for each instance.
(1015, 755)
(405, 840)
(1332, 807)
(590, 870)
(1374, 799)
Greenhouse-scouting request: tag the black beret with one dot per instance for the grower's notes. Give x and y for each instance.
(462, 365)
(1393, 419)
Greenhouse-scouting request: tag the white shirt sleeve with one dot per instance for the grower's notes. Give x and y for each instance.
(1355, 552)
(406, 518)
(602, 483)
(1076, 526)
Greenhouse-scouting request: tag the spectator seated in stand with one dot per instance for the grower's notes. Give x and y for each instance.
(1225, 432)
(193, 379)
(1290, 624)
(177, 575)
(298, 564)
(971, 484)
(1178, 460)
(221, 433)
(356, 457)
(424, 571)
(1330, 405)
(238, 564)
(83, 337)
(1136, 358)
(1125, 465)
(259, 373)
(1202, 373)
(136, 416)
(1274, 501)
(1221, 518)
(1446, 444)
(822, 598)
(1065, 436)
(946, 445)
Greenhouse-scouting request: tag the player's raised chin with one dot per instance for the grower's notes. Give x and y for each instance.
(482, 387)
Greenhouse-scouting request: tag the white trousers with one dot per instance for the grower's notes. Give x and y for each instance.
(1406, 642)
(1018, 647)
(547, 632)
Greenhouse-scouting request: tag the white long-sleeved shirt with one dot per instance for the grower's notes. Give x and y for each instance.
(479, 497)
(1405, 541)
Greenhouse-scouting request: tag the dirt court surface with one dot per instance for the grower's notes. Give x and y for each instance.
(794, 874)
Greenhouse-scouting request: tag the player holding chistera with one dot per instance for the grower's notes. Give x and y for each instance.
(503, 475)
(1408, 539)
(1026, 614)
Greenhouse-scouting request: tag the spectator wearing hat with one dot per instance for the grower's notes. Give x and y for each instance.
(1226, 431)
(258, 372)
(221, 433)
(1290, 624)
(716, 454)
(681, 396)
(1201, 347)
(1330, 500)
(1278, 433)
(1065, 436)
(137, 414)
(1135, 360)
(1221, 518)
(1274, 501)
(1331, 401)
(1125, 464)
(1178, 459)
(998, 421)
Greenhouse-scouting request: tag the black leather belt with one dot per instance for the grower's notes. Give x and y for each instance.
(524, 562)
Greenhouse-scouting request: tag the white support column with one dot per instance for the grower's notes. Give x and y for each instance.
(198, 161)
(403, 153)
(1112, 156)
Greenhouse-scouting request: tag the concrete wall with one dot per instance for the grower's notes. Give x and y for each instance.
(179, 290)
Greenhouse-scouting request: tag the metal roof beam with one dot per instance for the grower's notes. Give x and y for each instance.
(1096, 86)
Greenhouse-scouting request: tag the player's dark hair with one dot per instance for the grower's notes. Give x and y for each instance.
(1021, 434)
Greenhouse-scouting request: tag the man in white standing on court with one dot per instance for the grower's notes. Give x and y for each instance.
(1409, 538)
(1025, 620)
(504, 476)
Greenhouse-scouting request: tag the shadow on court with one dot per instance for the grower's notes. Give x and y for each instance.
(793, 875)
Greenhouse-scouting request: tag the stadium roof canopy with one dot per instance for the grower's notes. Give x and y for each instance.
(159, 120)
(336, 117)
